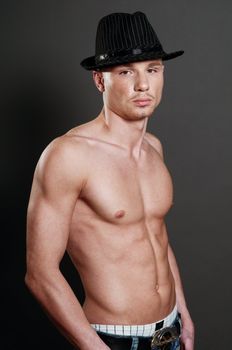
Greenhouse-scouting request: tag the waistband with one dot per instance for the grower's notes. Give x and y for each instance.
(145, 330)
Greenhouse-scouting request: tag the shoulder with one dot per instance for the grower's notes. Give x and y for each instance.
(63, 158)
(155, 143)
(63, 149)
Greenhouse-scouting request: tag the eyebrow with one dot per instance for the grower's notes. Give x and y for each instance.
(130, 65)
(155, 64)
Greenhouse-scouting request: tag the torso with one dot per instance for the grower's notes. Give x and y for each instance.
(118, 241)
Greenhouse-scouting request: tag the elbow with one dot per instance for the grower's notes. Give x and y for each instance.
(34, 281)
(30, 282)
(27, 280)
(38, 281)
(35, 285)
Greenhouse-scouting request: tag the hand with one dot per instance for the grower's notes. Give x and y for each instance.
(187, 334)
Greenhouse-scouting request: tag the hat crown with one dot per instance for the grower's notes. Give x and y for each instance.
(120, 31)
(123, 38)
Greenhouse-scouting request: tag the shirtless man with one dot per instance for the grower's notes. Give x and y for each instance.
(101, 192)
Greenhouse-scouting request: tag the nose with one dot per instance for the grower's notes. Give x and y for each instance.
(141, 82)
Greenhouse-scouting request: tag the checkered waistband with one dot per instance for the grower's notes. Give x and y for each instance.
(145, 330)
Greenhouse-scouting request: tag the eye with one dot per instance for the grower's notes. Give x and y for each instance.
(125, 72)
(156, 69)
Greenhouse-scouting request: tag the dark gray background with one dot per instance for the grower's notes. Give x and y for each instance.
(45, 92)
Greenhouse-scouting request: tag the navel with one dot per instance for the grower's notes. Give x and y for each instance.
(119, 214)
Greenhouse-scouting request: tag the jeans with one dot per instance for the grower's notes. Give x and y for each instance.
(120, 342)
(175, 345)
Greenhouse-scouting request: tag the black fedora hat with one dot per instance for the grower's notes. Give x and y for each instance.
(123, 38)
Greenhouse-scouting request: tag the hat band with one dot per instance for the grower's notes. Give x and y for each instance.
(131, 52)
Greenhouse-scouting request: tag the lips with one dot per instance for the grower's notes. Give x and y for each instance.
(142, 102)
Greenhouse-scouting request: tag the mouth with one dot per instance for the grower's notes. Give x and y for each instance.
(142, 102)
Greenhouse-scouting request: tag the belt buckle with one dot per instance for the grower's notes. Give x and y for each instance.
(164, 336)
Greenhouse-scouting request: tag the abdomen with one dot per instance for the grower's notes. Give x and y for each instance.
(120, 271)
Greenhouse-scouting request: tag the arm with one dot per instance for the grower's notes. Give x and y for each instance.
(59, 177)
(187, 335)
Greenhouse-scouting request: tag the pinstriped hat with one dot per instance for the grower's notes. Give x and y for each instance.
(123, 38)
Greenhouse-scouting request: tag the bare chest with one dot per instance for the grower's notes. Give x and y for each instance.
(120, 190)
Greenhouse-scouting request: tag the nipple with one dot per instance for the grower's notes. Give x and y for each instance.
(119, 213)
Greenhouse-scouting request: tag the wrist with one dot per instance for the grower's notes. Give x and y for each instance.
(187, 322)
(93, 340)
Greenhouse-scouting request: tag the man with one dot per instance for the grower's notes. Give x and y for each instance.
(101, 192)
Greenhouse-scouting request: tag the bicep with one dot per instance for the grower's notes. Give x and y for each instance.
(47, 233)
(56, 186)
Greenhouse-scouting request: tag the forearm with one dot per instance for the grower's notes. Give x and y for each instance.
(60, 303)
(187, 333)
(180, 297)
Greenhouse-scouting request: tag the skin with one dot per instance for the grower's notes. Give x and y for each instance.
(101, 192)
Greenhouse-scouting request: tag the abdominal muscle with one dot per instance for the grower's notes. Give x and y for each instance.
(125, 274)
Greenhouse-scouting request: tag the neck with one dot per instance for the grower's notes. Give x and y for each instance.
(128, 134)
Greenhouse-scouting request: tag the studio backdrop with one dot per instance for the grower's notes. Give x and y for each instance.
(45, 92)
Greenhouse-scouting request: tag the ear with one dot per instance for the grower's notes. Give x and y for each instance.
(99, 80)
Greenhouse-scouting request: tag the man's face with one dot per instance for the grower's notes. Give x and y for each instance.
(133, 91)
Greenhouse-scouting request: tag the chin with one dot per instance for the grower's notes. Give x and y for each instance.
(139, 116)
(145, 114)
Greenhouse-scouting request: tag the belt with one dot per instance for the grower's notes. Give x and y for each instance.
(161, 339)
(144, 330)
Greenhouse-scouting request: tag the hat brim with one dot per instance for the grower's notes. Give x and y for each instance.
(90, 62)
